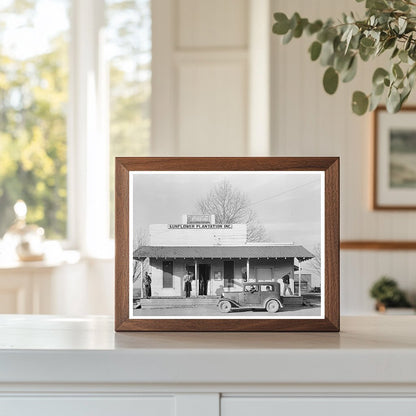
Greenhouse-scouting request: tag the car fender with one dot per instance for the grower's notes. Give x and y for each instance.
(233, 302)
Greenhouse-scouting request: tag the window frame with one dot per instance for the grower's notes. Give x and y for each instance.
(87, 132)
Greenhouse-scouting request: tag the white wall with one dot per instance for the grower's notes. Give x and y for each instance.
(162, 235)
(211, 93)
(308, 122)
(202, 86)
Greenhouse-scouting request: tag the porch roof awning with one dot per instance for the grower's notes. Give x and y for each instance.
(224, 252)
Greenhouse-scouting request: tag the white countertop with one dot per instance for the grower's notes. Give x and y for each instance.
(53, 349)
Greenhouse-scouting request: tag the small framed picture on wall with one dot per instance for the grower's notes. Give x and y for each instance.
(394, 150)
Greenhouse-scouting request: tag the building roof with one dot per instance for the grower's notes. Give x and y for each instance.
(223, 252)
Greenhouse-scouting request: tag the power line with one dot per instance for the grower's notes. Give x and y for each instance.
(282, 193)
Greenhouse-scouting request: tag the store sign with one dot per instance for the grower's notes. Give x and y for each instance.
(200, 226)
(198, 219)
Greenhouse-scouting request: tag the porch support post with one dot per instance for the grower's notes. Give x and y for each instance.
(299, 277)
(141, 277)
(248, 269)
(196, 279)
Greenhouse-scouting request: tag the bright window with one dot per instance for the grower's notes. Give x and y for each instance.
(60, 125)
(33, 104)
(129, 45)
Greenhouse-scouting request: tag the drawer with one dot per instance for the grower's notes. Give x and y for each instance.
(249, 406)
(87, 406)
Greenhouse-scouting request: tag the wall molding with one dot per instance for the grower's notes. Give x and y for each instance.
(377, 245)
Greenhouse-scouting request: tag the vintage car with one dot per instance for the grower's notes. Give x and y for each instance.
(256, 295)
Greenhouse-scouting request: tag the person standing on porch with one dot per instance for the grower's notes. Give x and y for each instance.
(147, 282)
(286, 281)
(188, 286)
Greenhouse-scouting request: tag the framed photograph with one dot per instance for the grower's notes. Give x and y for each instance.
(394, 178)
(227, 244)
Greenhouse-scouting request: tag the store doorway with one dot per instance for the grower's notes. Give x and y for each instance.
(204, 271)
(228, 273)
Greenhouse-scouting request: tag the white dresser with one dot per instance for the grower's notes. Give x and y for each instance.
(52, 365)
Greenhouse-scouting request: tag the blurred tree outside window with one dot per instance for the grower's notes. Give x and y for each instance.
(33, 102)
(129, 51)
(34, 94)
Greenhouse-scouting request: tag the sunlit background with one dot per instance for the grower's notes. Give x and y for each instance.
(83, 81)
(36, 38)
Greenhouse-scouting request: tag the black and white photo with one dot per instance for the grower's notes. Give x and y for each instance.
(229, 244)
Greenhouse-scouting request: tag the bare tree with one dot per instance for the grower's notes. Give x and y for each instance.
(231, 206)
(140, 239)
(314, 265)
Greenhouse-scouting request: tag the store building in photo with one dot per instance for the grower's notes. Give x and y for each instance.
(216, 257)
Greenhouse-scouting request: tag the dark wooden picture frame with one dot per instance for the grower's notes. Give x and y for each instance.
(328, 165)
(376, 204)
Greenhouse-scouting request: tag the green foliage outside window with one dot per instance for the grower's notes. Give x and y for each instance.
(33, 99)
(34, 104)
(129, 43)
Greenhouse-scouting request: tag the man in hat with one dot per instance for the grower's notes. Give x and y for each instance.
(147, 283)
(188, 286)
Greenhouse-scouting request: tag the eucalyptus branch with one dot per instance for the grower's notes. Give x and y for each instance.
(388, 25)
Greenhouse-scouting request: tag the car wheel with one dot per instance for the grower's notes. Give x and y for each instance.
(224, 306)
(272, 306)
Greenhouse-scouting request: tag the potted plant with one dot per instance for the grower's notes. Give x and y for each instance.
(389, 27)
(387, 294)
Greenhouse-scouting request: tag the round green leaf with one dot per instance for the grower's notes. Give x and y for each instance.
(378, 90)
(374, 102)
(281, 27)
(330, 80)
(351, 71)
(322, 36)
(367, 42)
(403, 55)
(403, 96)
(376, 4)
(342, 61)
(365, 53)
(294, 20)
(379, 75)
(389, 43)
(397, 71)
(395, 52)
(393, 101)
(315, 50)
(408, 42)
(288, 37)
(298, 30)
(359, 103)
(412, 52)
(314, 27)
(327, 54)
